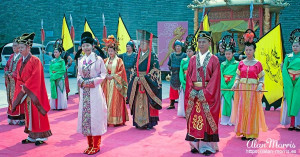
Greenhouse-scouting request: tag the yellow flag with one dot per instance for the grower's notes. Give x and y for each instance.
(269, 53)
(122, 35)
(65, 35)
(206, 23)
(87, 28)
(195, 39)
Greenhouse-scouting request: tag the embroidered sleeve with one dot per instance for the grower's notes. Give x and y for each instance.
(80, 80)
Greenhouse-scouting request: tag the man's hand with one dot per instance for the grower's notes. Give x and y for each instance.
(234, 86)
(259, 87)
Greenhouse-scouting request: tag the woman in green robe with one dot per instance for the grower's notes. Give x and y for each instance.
(190, 51)
(291, 85)
(57, 70)
(228, 73)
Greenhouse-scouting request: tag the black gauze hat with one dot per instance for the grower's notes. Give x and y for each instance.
(86, 37)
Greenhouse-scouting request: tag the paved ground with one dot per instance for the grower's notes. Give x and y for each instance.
(73, 88)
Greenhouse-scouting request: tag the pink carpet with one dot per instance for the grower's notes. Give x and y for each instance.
(166, 139)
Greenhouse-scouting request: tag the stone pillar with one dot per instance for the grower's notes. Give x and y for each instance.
(267, 20)
(196, 14)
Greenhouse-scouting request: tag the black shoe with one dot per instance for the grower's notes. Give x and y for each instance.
(37, 143)
(149, 127)
(297, 128)
(267, 108)
(194, 151)
(244, 138)
(26, 141)
(171, 107)
(250, 139)
(291, 128)
(21, 123)
(207, 153)
(77, 93)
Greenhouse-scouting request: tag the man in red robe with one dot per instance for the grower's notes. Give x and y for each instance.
(18, 116)
(202, 98)
(31, 92)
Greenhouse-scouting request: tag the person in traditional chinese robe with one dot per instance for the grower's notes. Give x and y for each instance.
(190, 51)
(145, 85)
(57, 70)
(31, 92)
(202, 98)
(129, 60)
(10, 76)
(115, 84)
(247, 111)
(290, 112)
(174, 66)
(92, 112)
(228, 73)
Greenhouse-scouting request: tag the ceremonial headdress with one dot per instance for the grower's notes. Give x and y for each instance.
(249, 38)
(189, 42)
(228, 43)
(58, 45)
(111, 42)
(293, 37)
(26, 39)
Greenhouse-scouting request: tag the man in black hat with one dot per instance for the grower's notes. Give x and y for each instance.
(202, 98)
(145, 86)
(31, 91)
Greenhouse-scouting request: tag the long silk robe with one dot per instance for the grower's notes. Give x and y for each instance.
(92, 112)
(58, 87)
(202, 104)
(10, 82)
(145, 98)
(115, 91)
(30, 75)
(291, 106)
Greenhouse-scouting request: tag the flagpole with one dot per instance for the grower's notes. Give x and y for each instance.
(71, 19)
(43, 38)
(243, 90)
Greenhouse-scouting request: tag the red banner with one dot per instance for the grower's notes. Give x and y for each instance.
(72, 33)
(42, 35)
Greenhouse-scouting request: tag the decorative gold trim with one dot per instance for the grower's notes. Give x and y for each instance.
(209, 117)
(197, 122)
(132, 94)
(149, 91)
(248, 81)
(199, 84)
